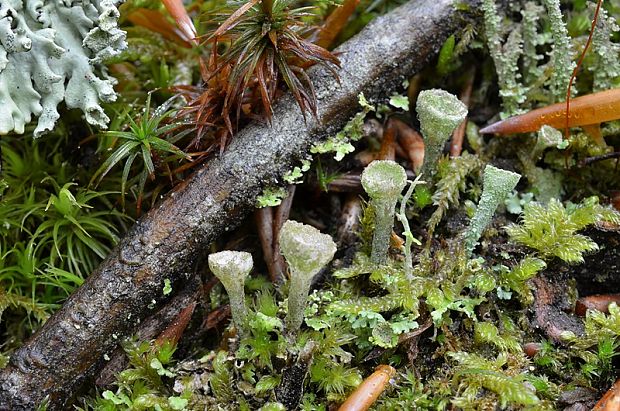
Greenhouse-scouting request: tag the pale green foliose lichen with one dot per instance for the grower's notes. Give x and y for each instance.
(440, 113)
(271, 197)
(51, 52)
(295, 175)
(548, 137)
(497, 185)
(352, 131)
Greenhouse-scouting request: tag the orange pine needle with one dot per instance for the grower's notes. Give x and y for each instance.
(157, 22)
(611, 400)
(586, 110)
(185, 24)
(367, 393)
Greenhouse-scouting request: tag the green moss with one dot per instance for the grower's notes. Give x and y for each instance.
(552, 230)
(452, 174)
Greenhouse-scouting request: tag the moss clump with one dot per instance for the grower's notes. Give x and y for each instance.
(552, 229)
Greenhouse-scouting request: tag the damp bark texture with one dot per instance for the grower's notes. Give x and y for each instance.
(69, 349)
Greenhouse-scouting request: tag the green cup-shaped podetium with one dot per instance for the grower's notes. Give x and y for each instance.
(307, 251)
(497, 185)
(439, 113)
(383, 181)
(232, 268)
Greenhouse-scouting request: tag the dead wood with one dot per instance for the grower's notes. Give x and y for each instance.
(69, 349)
(152, 327)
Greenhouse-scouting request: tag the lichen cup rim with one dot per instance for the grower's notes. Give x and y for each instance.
(238, 263)
(440, 103)
(384, 179)
(305, 248)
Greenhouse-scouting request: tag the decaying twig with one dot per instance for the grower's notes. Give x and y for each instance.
(281, 215)
(269, 221)
(607, 156)
(69, 349)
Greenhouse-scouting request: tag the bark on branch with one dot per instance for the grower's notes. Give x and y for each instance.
(69, 349)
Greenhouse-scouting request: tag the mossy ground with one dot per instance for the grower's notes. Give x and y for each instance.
(457, 330)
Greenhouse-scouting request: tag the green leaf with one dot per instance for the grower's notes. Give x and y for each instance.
(400, 101)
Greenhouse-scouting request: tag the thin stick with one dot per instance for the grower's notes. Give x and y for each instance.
(264, 225)
(589, 160)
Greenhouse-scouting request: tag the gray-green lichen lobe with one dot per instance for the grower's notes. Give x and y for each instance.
(50, 52)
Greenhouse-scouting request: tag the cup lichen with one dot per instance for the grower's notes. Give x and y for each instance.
(232, 268)
(383, 181)
(306, 251)
(439, 113)
(497, 184)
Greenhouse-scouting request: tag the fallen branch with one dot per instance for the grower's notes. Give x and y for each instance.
(128, 285)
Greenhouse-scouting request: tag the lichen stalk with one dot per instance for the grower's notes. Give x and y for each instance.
(383, 181)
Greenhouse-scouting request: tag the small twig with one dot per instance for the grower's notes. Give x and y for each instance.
(175, 330)
(334, 23)
(598, 302)
(589, 160)
(351, 182)
(217, 316)
(388, 151)
(349, 219)
(412, 144)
